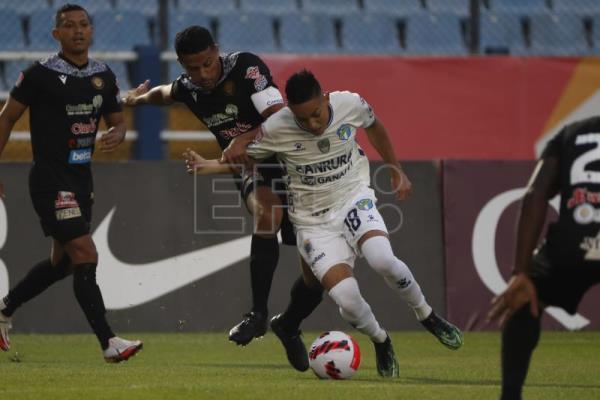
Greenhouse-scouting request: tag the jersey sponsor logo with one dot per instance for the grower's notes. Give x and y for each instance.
(364, 204)
(344, 132)
(324, 166)
(308, 247)
(63, 79)
(236, 131)
(299, 147)
(231, 109)
(81, 128)
(80, 156)
(252, 72)
(81, 142)
(79, 109)
(67, 213)
(591, 245)
(65, 200)
(219, 119)
(276, 101)
(317, 259)
(585, 214)
(320, 180)
(324, 145)
(582, 196)
(97, 82)
(260, 83)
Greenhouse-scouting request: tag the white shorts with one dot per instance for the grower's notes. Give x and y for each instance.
(335, 241)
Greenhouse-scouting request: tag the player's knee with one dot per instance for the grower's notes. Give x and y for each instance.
(83, 255)
(268, 219)
(346, 295)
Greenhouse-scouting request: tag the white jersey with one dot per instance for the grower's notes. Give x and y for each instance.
(324, 170)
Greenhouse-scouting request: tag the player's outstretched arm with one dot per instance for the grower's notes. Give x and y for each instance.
(195, 164)
(380, 140)
(115, 135)
(10, 114)
(157, 96)
(542, 186)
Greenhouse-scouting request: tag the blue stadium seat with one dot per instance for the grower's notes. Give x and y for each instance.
(179, 20)
(370, 34)
(307, 33)
(271, 7)
(246, 32)
(596, 34)
(523, 7)
(209, 7)
(92, 6)
(40, 37)
(120, 70)
(393, 7)
(147, 7)
(331, 7)
(12, 69)
(26, 7)
(581, 7)
(501, 33)
(434, 34)
(559, 34)
(120, 31)
(458, 7)
(174, 69)
(12, 32)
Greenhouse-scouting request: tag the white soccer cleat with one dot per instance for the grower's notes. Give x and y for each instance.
(120, 349)
(5, 326)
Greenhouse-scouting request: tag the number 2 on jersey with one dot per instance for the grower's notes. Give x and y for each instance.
(578, 172)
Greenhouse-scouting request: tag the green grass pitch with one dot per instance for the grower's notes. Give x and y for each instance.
(206, 366)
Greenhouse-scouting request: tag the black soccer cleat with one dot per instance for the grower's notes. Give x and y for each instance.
(254, 325)
(293, 344)
(387, 365)
(448, 334)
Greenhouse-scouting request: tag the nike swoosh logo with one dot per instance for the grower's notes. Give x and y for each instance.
(127, 285)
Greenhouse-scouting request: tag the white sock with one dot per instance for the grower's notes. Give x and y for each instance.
(378, 253)
(355, 309)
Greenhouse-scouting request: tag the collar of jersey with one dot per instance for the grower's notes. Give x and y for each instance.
(328, 122)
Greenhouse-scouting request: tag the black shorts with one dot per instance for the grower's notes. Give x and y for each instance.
(562, 283)
(270, 176)
(64, 215)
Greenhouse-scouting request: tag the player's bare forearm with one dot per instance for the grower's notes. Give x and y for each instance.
(157, 96)
(379, 138)
(115, 135)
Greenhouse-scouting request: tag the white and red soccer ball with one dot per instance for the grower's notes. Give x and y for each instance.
(334, 355)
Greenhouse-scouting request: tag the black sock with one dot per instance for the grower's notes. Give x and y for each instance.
(519, 338)
(264, 254)
(304, 300)
(90, 300)
(38, 279)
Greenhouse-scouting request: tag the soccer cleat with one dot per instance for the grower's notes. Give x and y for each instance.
(387, 365)
(448, 334)
(254, 325)
(5, 326)
(121, 350)
(293, 344)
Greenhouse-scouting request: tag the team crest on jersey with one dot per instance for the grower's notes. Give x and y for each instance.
(229, 88)
(324, 145)
(308, 248)
(97, 83)
(344, 132)
(364, 204)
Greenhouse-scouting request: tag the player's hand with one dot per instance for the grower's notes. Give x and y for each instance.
(519, 292)
(1, 190)
(235, 153)
(130, 96)
(401, 185)
(193, 161)
(111, 139)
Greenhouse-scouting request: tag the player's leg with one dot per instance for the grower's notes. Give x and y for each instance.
(305, 296)
(266, 208)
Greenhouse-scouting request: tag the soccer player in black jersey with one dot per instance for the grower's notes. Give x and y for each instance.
(232, 94)
(567, 263)
(66, 94)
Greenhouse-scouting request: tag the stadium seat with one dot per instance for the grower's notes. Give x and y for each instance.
(596, 34)
(12, 32)
(271, 7)
(458, 7)
(370, 34)
(120, 31)
(246, 32)
(209, 7)
(12, 69)
(558, 34)
(331, 7)
(581, 7)
(522, 7)
(434, 34)
(393, 7)
(179, 20)
(120, 70)
(501, 33)
(92, 6)
(26, 7)
(146, 7)
(307, 33)
(40, 37)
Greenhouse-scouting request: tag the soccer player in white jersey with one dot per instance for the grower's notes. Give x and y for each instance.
(334, 209)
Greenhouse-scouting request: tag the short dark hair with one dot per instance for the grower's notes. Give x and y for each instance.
(301, 87)
(193, 39)
(66, 8)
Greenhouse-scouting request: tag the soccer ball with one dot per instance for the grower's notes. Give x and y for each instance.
(334, 355)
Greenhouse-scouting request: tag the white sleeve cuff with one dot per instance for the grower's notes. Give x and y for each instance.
(266, 98)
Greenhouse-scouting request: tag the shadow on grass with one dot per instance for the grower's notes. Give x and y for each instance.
(492, 382)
